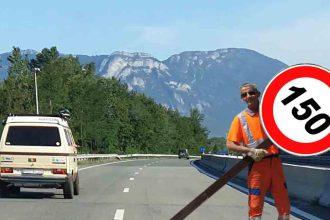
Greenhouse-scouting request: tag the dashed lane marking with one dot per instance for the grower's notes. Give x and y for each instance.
(126, 190)
(119, 215)
(104, 164)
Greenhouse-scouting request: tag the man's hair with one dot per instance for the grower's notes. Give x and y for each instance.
(252, 85)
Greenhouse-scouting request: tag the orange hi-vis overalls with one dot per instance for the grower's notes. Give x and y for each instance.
(263, 175)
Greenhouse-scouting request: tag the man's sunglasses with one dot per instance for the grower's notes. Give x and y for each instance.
(243, 95)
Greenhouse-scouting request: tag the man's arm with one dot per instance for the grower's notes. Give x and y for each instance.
(256, 154)
(238, 148)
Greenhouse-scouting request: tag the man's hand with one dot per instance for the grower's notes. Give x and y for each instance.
(257, 154)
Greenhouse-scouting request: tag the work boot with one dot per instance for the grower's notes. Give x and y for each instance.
(283, 217)
(255, 218)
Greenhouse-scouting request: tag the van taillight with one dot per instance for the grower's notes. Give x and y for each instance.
(6, 170)
(59, 171)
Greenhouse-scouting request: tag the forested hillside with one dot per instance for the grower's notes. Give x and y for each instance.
(105, 116)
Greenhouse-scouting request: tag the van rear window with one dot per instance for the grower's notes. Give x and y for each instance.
(33, 136)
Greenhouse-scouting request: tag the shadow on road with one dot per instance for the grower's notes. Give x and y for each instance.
(32, 195)
(240, 184)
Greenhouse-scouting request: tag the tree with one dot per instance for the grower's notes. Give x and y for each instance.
(216, 143)
(18, 87)
(200, 133)
(47, 56)
(106, 117)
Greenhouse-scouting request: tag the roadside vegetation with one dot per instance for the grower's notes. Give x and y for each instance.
(105, 116)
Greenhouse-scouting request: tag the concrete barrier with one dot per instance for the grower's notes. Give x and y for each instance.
(311, 184)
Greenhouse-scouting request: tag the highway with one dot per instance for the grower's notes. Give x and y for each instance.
(152, 189)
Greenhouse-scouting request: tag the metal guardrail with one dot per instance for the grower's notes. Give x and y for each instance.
(319, 161)
(323, 161)
(82, 157)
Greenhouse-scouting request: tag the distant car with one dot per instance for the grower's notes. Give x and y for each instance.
(183, 153)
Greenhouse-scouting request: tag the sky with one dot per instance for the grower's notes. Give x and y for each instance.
(296, 31)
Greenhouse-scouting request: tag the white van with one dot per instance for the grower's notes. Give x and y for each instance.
(38, 152)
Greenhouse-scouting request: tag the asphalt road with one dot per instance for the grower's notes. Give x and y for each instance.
(141, 190)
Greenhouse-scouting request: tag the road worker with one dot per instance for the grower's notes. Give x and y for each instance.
(266, 172)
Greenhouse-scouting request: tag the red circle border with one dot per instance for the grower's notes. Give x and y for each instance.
(267, 114)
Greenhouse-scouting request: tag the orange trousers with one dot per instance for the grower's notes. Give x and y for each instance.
(265, 175)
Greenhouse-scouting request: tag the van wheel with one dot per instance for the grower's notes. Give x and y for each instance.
(4, 191)
(76, 185)
(68, 189)
(15, 189)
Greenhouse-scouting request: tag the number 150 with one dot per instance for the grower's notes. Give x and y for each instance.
(308, 105)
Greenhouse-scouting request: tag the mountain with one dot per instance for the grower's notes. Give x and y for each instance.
(206, 80)
(4, 63)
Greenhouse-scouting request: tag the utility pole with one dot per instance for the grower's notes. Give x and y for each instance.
(36, 88)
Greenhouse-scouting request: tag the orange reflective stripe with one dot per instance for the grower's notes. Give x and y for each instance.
(246, 128)
(252, 142)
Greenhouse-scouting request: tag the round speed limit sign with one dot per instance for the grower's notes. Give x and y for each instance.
(295, 110)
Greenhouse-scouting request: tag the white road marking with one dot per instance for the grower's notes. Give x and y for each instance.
(141, 168)
(126, 190)
(119, 215)
(136, 173)
(145, 165)
(104, 164)
(131, 178)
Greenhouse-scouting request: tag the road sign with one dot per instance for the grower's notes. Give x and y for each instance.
(295, 110)
(202, 149)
